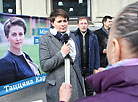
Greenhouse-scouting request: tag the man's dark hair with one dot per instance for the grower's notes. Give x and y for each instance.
(58, 12)
(105, 18)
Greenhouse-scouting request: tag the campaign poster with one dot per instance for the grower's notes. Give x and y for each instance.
(20, 71)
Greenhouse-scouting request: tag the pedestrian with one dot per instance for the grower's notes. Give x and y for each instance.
(102, 35)
(89, 59)
(52, 53)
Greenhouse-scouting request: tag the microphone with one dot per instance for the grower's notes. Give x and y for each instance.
(65, 38)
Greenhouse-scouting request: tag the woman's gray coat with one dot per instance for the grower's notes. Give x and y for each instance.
(52, 62)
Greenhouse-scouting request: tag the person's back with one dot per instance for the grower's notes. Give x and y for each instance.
(114, 85)
(118, 82)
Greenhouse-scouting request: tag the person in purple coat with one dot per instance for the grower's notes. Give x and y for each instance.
(118, 82)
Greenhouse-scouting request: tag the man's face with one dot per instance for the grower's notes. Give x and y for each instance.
(108, 23)
(83, 25)
(60, 24)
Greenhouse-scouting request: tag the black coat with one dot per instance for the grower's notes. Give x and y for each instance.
(102, 38)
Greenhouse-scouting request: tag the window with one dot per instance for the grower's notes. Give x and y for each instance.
(9, 6)
(74, 8)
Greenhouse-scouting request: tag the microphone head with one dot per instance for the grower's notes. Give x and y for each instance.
(65, 38)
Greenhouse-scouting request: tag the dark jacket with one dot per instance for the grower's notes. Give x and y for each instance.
(114, 85)
(94, 57)
(14, 68)
(102, 38)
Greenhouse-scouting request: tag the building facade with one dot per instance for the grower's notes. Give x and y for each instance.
(95, 10)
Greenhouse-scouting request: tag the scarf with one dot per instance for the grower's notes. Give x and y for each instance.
(59, 36)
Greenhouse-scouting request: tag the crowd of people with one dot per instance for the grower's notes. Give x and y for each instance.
(104, 61)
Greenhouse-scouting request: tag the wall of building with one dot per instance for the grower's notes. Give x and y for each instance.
(38, 8)
(99, 8)
(1, 6)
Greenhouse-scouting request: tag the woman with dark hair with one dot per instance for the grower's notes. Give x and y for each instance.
(119, 81)
(52, 53)
(16, 65)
